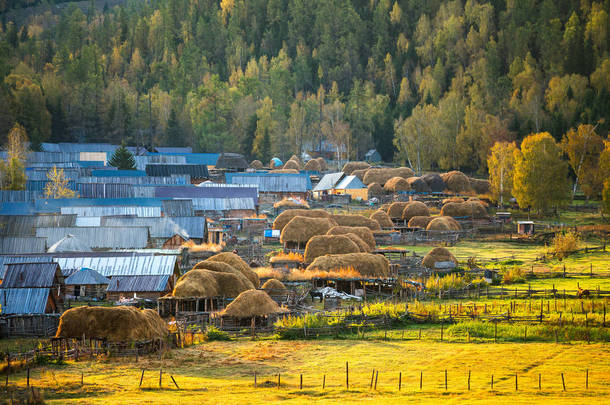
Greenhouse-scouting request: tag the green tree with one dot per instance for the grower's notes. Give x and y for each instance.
(122, 159)
(265, 126)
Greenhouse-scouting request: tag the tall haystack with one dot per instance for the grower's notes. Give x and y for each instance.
(456, 182)
(396, 208)
(256, 164)
(292, 165)
(382, 218)
(285, 217)
(272, 285)
(453, 209)
(359, 173)
(356, 220)
(480, 186)
(419, 222)
(375, 189)
(436, 255)
(396, 184)
(453, 200)
(349, 167)
(238, 263)
(322, 162)
(363, 233)
(367, 264)
(300, 229)
(116, 324)
(296, 159)
(312, 166)
(382, 175)
(287, 203)
(435, 182)
(443, 224)
(418, 184)
(321, 245)
(221, 267)
(415, 209)
(468, 209)
(252, 303)
(362, 245)
(197, 283)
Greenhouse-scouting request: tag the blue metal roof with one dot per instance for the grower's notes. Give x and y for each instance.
(272, 182)
(138, 283)
(174, 149)
(17, 208)
(86, 276)
(211, 191)
(30, 275)
(117, 173)
(24, 300)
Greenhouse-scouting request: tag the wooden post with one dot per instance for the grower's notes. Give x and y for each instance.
(254, 378)
(346, 375)
(539, 381)
(468, 380)
(445, 379)
(525, 334)
(419, 333)
(28, 379)
(587, 379)
(421, 379)
(301, 383)
(174, 381)
(399, 380)
(160, 376)
(376, 376)
(563, 382)
(82, 378)
(141, 378)
(278, 381)
(372, 378)
(495, 332)
(324, 381)
(516, 383)
(492, 382)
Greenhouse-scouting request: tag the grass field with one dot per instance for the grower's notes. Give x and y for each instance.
(222, 373)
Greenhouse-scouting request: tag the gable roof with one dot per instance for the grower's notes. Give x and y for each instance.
(24, 300)
(329, 181)
(86, 276)
(69, 243)
(99, 237)
(163, 170)
(268, 182)
(30, 275)
(350, 182)
(17, 245)
(138, 283)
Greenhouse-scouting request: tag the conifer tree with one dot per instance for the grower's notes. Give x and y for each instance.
(122, 159)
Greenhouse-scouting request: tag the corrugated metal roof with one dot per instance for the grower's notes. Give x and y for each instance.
(164, 227)
(223, 204)
(69, 243)
(138, 283)
(30, 275)
(113, 211)
(24, 225)
(272, 182)
(329, 181)
(99, 237)
(86, 276)
(105, 190)
(55, 205)
(117, 173)
(177, 179)
(18, 245)
(51, 157)
(142, 161)
(161, 170)
(233, 161)
(39, 185)
(88, 221)
(178, 208)
(174, 149)
(42, 174)
(17, 208)
(209, 191)
(350, 183)
(24, 300)
(19, 195)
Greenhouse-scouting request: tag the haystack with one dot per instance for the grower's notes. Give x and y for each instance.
(292, 165)
(301, 229)
(362, 245)
(418, 184)
(363, 233)
(415, 209)
(322, 162)
(456, 181)
(313, 166)
(116, 324)
(438, 254)
(238, 263)
(229, 285)
(435, 182)
(252, 303)
(453, 200)
(356, 220)
(419, 222)
(468, 209)
(382, 175)
(321, 245)
(291, 171)
(382, 218)
(349, 167)
(367, 264)
(375, 189)
(221, 267)
(443, 224)
(197, 283)
(256, 164)
(273, 285)
(291, 203)
(484, 203)
(396, 184)
(453, 209)
(359, 173)
(479, 186)
(296, 159)
(396, 208)
(285, 217)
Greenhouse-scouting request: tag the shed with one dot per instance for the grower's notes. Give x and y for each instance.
(352, 186)
(86, 283)
(372, 156)
(143, 286)
(525, 227)
(232, 162)
(340, 184)
(279, 184)
(197, 172)
(32, 288)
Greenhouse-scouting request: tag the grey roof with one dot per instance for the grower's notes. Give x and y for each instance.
(138, 283)
(176, 179)
(178, 208)
(24, 300)
(232, 161)
(86, 276)
(110, 210)
(195, 171)
(142, 161)
(105, 190)
(19, 195)
(174, 149)
(223, 204)
(69, 243)
(30, 275)
(272, 182)
(99, 237)
(121, 265)
(164, 227)
(25, 225)
(42, 173)
(18, 245)
(329, 181)
(88, 221)
(350, 182)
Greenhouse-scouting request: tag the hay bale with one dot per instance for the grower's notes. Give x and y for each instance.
(349, 167)
(438, 254)
(415, 209)
(301, 229)
(419, 222)
(322, 162)
(418, 184)
(256, 164)
(435, 182)
(359, 173)
(484, 203)
(313, 166)
(456, 181)
(252, 303)
(367, 264)
(382, 218)
(229, 285)
(291, 171)
(238, 263)
(479, 186)
(396, 184)
(474, 209)
(362, 232)
(285, 217)
(403, 172)
(375, 189)
(382, 175)
(453, 200)
(291, 203)
(443, 224)
(396, 208)
(362, 245)
(197, 283)
(116, 324)
(273, 285)
(453, 209)
(296, 159)
(321, 245)
(292, 165)
(356, 220)
(222, 267)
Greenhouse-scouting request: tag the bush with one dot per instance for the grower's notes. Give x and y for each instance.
(213, 333)
(513, 275)
(565, 243)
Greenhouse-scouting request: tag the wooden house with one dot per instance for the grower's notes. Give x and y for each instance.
(86, 284)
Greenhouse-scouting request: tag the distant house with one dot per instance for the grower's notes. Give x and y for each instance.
(31, 288)
(86, 283)
(232, 162)
(215, 199)
(198, 173)
(372, 156)
(340, 184)
(150, 287)
(276, 185)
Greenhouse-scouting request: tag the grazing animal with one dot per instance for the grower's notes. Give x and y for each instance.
(583, 293)
(315, 294)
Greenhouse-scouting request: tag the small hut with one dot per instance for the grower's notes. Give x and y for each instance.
(86, 284)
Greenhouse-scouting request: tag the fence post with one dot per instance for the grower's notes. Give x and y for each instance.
(492, 382)
(141, 378)
(376, 376)
(399, 380)
(539, 381)
(346, 375)
(587, 379)
(28, 379)
(516, 383)
(445, 379)
(372, 378)
(563, 382)
(301, 383)
(324, 381)
(254, 378)
(421, 379)
(160, 376)
(278, 381)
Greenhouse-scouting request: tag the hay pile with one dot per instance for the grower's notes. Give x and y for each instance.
(396, 208)
(452, 209)
(291, 171)
(484, 203)
(415, 209)
(470, 209)
(349, 167)
(375, 189)
(291, 203)
(382, 218)
(273, 285)
(480, 186)
(367, 264)
(453, 200)
(435, 182)
(419, 222)
(221, 267)
(443, 224)
(301, 229)
(116, 324)
(356, 220)
(252, 303)
(382, 175)
(418, 184)
(313, 166)
(329, 244)
(362, 232)
(456, 182)
(238, 263)
(292, 165)
(438, 254)
(362, 245)
(396, 184)
(285, 217)
(322, 162)
(207, 283)
(359, 173)
(256, 164)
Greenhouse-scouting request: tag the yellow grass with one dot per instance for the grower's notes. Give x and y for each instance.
(204, 247)
(290, 256)
(302, 275)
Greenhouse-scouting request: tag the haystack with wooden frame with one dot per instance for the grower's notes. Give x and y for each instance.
(438, 255)
(419, 222)
(285, 217)
(396, 184)
(375, 190)
(362, 232)
(238, 263)
(457, 182)
(396, 208)
(356, 220)
(252, 308)
(299, 230)
(443, 224)
(256, 165)
(383, 219)
(312, 165)
(321, 245)
(349, 167)
(415, 209)
(292, 165)
(366, 264)
(221, 267)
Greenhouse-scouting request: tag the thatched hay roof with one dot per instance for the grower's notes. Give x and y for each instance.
(418, 184)
(382, 218)
(420, 222)
(367, 264)
(116, 324)
(456, 181)
(438, 254)
(274, 285)
(359, 173)
(197, 283)
(312, 165)
(224, 268)
(292, 164)
(363, 233)
(382, 175)
(349, 167)
(238, 263)
(252, 303)
(480, 186)
(321, 245)
(435, 182)
(356, 220)
(396, 184)
(396, 208)
(443, 224)
(256, 164)
(415, 209)
(375, 189)
(291, 203)
(285, 217)
(292, 171)
(301, 229)
(322, 162)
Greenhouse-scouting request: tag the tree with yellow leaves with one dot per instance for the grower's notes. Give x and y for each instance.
(501, 164)
(12, 170)
(57, 186)
(584, 147)
(604, 173)
(540, 178)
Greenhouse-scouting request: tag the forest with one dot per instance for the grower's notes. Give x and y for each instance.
(431, 84)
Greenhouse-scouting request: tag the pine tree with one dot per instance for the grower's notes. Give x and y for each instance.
(122, 159)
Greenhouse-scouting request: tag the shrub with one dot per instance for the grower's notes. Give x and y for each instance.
(513, 275)
(565, 243)
(213, 333)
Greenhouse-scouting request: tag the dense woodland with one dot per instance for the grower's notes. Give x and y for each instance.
(429, 83)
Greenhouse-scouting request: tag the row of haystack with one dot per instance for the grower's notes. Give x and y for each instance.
(472, 208)
(340, 240)
(458, 182)
(366, 264)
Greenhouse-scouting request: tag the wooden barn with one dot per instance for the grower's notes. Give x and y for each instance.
(142, 286)
(86, 284)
